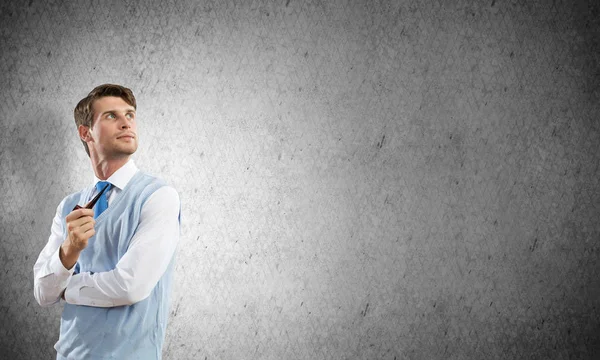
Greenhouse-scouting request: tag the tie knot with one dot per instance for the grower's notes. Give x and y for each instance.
(101, 184)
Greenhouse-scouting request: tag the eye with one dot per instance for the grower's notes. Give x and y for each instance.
(130, 115)
(110, 116)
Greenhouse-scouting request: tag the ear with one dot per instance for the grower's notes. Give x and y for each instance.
(84, 133)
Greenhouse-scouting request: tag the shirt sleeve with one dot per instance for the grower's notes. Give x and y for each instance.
(151, 249)
(50, 277)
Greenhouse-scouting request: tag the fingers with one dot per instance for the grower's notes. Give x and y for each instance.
(81, 235)
(80, 227)
(85, 227)
(76, 214)
(78, 238)
(81, 221)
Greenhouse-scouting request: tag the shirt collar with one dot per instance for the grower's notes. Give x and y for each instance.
(121, 177)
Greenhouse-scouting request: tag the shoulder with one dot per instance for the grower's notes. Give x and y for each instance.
(160, 192)
(143, 185)
(150, 180)
(145, 178)
(155, 190)
(166, 194)
(162, 202)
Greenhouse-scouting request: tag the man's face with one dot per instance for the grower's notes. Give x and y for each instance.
(113, 132)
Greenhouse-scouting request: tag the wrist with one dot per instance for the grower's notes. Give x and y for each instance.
(68, 255)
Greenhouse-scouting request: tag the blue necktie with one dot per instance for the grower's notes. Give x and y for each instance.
(102, 203)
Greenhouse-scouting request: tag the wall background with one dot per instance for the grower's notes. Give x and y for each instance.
(359, 180)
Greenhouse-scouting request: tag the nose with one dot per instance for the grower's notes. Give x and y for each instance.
(125, 122)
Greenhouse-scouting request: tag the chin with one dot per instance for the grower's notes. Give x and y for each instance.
(126, 150)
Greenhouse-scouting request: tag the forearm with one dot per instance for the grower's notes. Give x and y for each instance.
(82, 291)
(125, 285)
(50, 279)
(68, 256)
(108, 289)
(50, 275)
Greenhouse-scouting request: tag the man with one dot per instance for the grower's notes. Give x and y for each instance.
(112, 264)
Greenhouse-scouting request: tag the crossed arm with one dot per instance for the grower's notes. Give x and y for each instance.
(135, 275)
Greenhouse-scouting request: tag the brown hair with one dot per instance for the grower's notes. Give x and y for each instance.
(83, 111)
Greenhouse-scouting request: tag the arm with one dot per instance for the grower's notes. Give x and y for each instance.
(55, 265)
(139, 270)
(49, 274)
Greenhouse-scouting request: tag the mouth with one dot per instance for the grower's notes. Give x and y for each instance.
(126, 137)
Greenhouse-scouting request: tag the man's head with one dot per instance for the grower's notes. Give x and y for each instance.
(105, 120)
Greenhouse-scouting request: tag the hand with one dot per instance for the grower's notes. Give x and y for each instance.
(80, 227)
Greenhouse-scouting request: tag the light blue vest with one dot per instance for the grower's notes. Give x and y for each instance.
(123, 332)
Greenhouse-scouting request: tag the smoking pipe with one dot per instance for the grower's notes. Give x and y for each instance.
(93, 201)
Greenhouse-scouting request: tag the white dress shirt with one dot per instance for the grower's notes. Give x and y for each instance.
(137, 272)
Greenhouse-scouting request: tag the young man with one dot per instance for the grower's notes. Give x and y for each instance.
(112, 264)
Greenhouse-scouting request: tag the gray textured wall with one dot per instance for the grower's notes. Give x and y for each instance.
(359, 180)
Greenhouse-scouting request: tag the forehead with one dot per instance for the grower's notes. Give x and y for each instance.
(110, 103)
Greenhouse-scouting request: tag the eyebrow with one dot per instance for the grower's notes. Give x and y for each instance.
(132, 110)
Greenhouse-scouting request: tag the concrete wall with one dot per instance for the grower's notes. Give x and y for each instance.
(359, 180)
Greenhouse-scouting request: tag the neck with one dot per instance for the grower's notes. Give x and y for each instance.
(105, 167)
